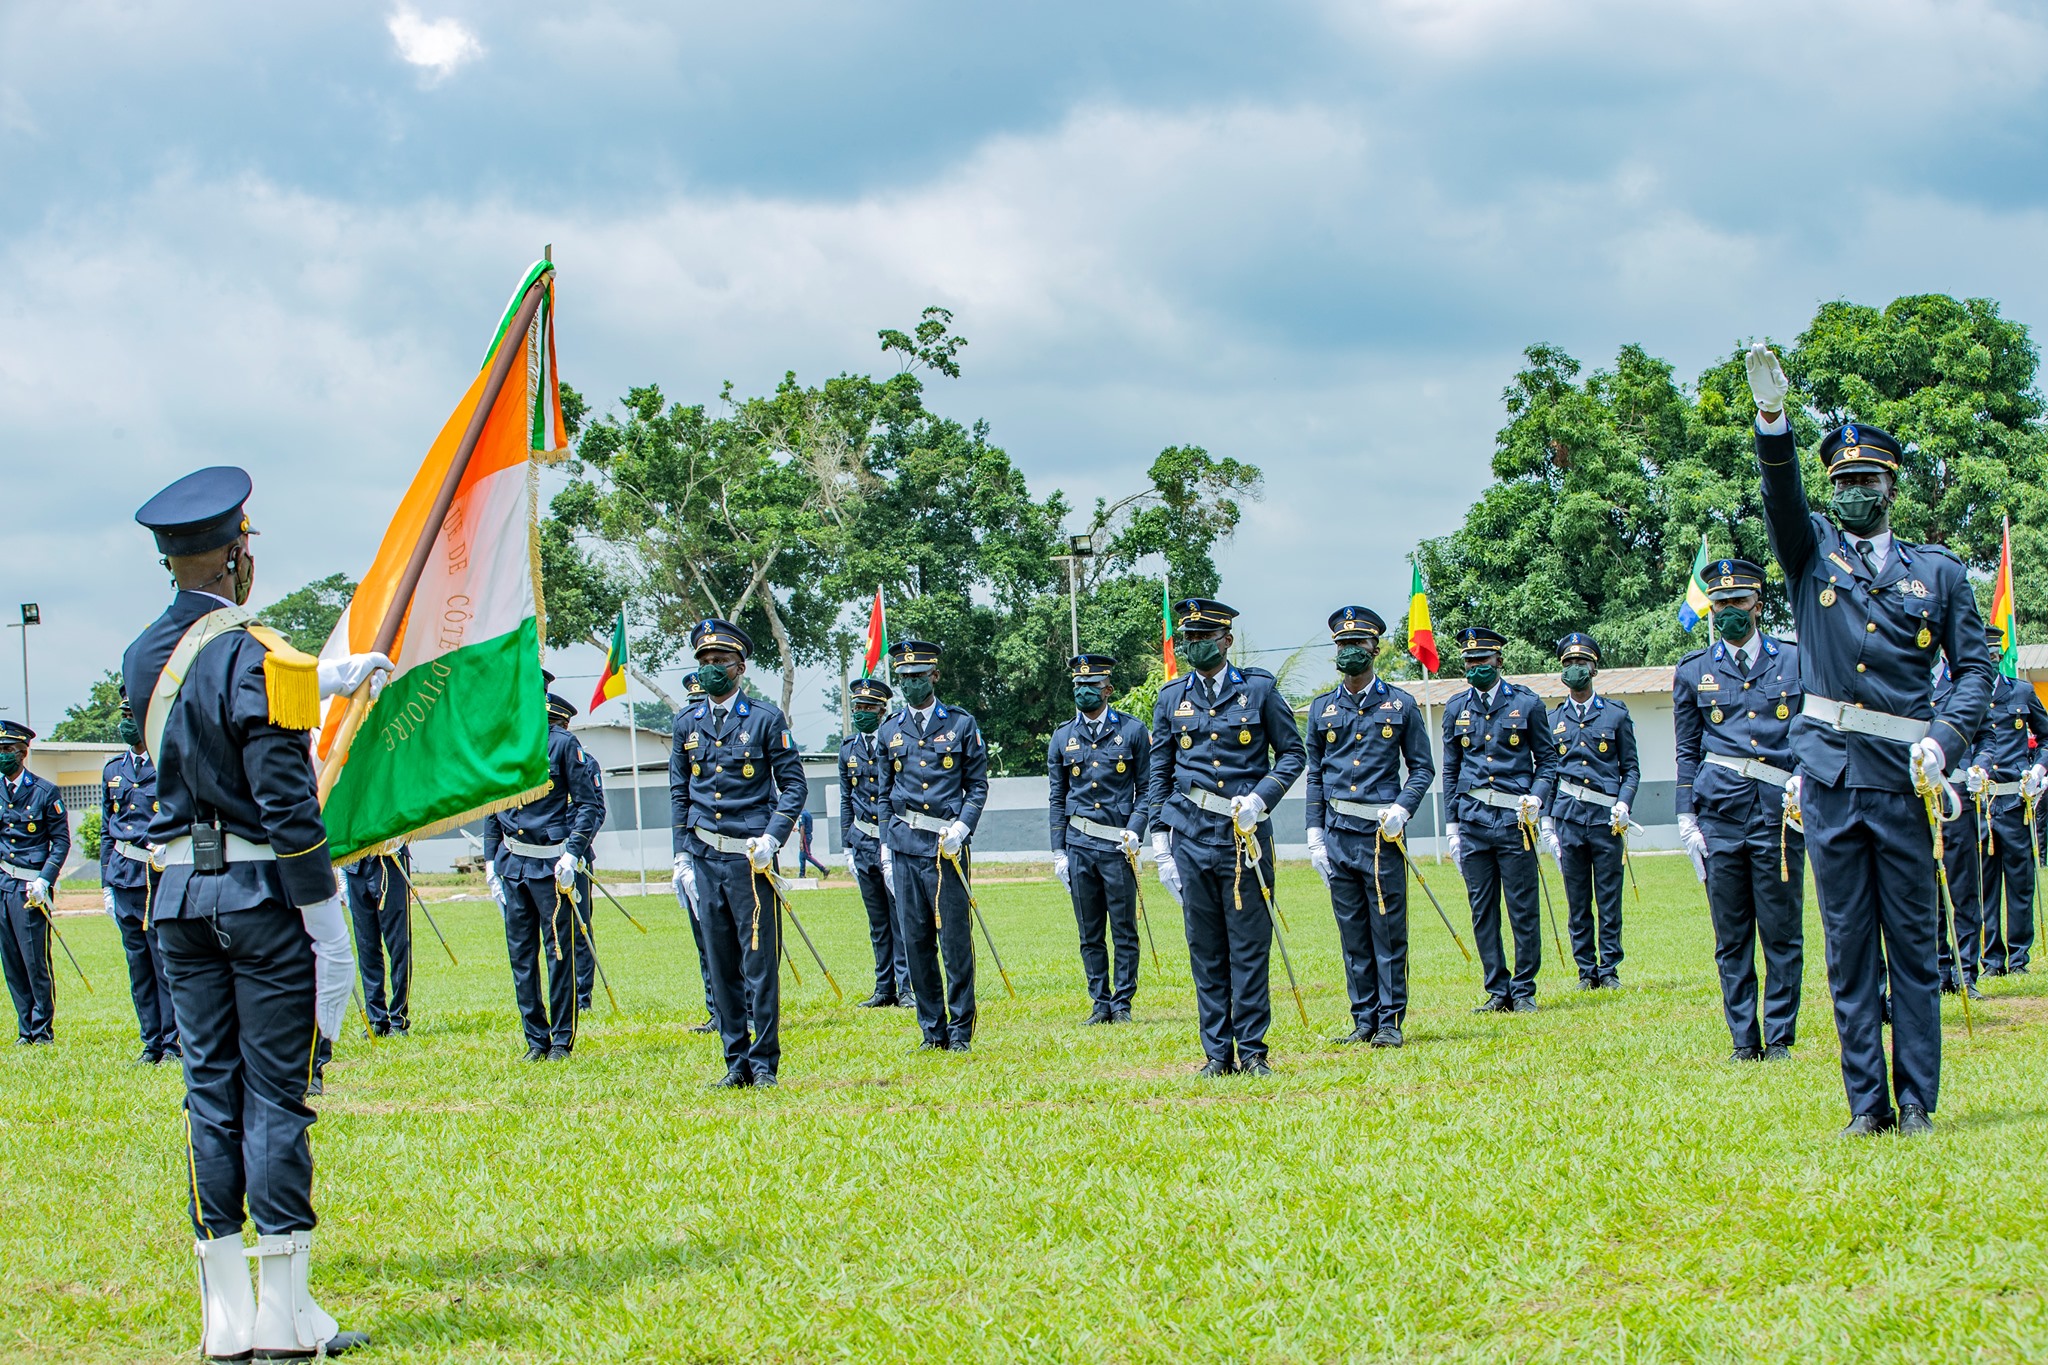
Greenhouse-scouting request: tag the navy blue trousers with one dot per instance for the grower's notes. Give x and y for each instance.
(25, 960)
(1105, 895)
(703, 960)
(1751, 908)
(1964, 857)
(892, 957)
(1369, 896)
(743, 940)
(586, 942)
(934, 918)
(242, 988)
(2009, 888)
(1873, 866)
(383, 925)
(540, 939)
(1496, 867)
(1593, 885)
(147, 987)
(1230, 945)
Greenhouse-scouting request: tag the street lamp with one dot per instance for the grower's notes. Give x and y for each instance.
(1078, 549)
(31, 615)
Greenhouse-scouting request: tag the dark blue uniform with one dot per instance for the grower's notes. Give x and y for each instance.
(541, 928)
(586, 896)
(863, 781)
(1756, 862)
(2007, 886)
(1213, 739)
(127, 791)
(730, 780)
(35, 838)
(1870, 640)
(1969, 868)
(1095, 773)
(1499, 749)
(380, 907)
(1358, 745)
(1596, 753)
(938, 773)
(235, 947)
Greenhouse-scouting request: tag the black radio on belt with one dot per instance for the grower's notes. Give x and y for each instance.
(209, 849)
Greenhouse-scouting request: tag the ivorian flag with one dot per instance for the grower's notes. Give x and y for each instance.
(2002, 617)
(1421, 639)
(1166, 629)
(878, 638)
(1696, 604)
(462, 729)
(612, 682)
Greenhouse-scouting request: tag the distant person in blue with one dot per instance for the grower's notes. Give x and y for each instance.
(35, 839)
(1875, 614)
(864, 780)
(127, 881)
(2006, 777)
(805, 857)
(1587, 828)
(380, 905)
(1095, 773)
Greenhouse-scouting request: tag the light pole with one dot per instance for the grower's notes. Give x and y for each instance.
(1078, 549)
(31, 615)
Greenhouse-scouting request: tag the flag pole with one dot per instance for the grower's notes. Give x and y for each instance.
(633, 749)
(409, 581)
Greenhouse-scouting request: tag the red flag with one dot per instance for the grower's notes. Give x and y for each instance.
(878, 638)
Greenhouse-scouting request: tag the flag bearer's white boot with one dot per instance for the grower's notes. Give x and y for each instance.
(289, 1324)
(227, 1306)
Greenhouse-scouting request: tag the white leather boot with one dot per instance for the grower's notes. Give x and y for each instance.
(227, 1306)
(289, 1324)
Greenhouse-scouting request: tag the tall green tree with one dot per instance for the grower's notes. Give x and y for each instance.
(306, 616)
(97, 719)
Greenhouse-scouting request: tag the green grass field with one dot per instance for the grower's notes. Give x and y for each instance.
(1594, 1182)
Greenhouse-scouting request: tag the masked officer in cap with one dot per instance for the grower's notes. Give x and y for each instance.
(35, 838)
(736, 786)
(1733, 705)
(1597, 776)
(864, 779)
(684, 879)
(1362, 734)
(2004, 780)
(1874, 613)
(938, 787)
(127, 883)
(1499, 765)
(1224, 751)
(532, 856)
(1095, 767)
(253, 935)
(380, 904)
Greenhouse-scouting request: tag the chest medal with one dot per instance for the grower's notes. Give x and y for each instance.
(1330, 738)
(1386, 732)
(1119, 765)
(747, 770)
(1924, 638)
(1514, 739)
(1603, 746)
(1562, 749)
(1244, 736)
(1187, 741)
(1827, 597)
(1074, 771)
(946, 762)
(696, 770)
(1715, 715)
(1784, 711)
(1465, 740)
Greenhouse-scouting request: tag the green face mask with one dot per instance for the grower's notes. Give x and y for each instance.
(917, 691)
(1204, 653)
(1577, 676)
(1482, 677)
(131, 733)
(10, 762)
(1732, 624)
(866, 722)
(717, 679)
(1857, 510)
(1087, 698)
(1353, 660)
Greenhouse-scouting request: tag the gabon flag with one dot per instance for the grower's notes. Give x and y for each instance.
(612, 682)
(2003, 618)
(878, 638)
(1421, 638)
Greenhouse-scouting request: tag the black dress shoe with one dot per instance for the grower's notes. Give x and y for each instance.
(1254, 1066)
(959, 1045)
(1098, 1015)
(1387, 1037)
(1589, 983)
(401, 1030)
(766, 1078)
(1870, 1125)
(1120, 1014)
(536, 1054)
(1970, 989)
(149, 1057)
(708, 1026)
(905, 1000)
(1948, 986)
(2020, 970)
(583, 1005)
(1778, 1052)
(1524, 1005)
(931, 1045)
(558, 1054)
(1610, 982)
(734, 1079)
(1746, 1054)
(1913, 1121)
(1495, 1004)
(1214, 1067)
(880, 1000)
(1999, 969)
(1361, 1034)
(316, 1087)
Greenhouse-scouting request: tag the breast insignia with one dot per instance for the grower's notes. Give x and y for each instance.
(1827, 596)
(1715, 715)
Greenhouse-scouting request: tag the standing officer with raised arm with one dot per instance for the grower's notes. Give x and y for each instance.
(864, 777)
(1225, 749)
(1095, 774)
(1874, 613)
(1732, 711)
(1597, 776)
(128, 882)
(1361, 734)
(35, 838)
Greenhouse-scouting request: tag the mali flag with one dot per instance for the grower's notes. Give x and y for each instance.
(1696, 604)
(1421, 638)
(2002, 617)
(612, 682)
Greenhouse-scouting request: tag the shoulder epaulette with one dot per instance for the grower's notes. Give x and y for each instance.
(1254, 671)
(291, 680)
(1697, 653)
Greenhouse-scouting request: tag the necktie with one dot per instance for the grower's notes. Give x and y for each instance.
(718, 717)
(920, 724)
(1869, 553)
(1742, 661)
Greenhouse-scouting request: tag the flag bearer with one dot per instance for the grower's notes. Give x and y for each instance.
(127, 881)
(35, 838)
(380, 904)
(1095, 768)
(2005, 769)
(1587, 828)
(864, 779)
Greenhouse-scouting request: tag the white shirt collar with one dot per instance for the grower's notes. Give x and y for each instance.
(224, 601)
(924, 713)
(1880, 548)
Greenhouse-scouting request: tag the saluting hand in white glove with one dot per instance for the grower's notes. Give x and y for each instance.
(1767, 382)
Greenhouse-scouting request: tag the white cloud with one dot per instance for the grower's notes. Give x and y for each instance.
(439, 45)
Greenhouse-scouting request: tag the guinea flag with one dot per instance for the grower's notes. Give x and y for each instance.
(1421, 639)
(612, 682)
(1166, 629)
(2002, 616)
(878, 638)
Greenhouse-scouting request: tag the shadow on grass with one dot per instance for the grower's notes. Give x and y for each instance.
(1994, 1118)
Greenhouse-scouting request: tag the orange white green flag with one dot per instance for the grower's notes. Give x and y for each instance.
(2003, 618)
(461, 728)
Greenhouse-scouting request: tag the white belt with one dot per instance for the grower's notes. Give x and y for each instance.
(2003, 788)
(871, 828)
(1850, 718)
(1107, 833)
(1216, 803)
(930, 824)
(1359, 810)
(1573, 789)
(1753, 768)
(724, 843)
(1487, 796)
(26, 874)
(178, 852)
(526, 850)
(134, 853)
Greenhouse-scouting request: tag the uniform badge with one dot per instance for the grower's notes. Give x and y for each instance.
(1465, 740)
(1073, 743)
(747, 770)
(946, 762)
(1561, 749)
(1119, 765)
(1918, 588)
(1330, 709)
(1187, 741)
(1603, 746)
(1330, 738)
(899, 765)
(1186, 708)
(31, 827)
(1924, 638)
(1386, 732)
(1827, 596)
(1715, 715)
(1074, 771)
(1514, 738)
(696, 770)
(1244, 736)
(896, 741)
(1784, 711)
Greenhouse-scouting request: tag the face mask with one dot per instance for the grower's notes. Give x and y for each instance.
(717, 679)
(917, 691)
(1353, 660)
(866, 722)
(1087, 698)
(1732, 624)
(10, 762)
(1857, 510)
(1483, 677)
(131, 733)
(245, 577)
(1577, 676)
(1204, 654)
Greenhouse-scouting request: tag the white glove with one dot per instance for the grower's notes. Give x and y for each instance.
(107, 900)
(565, 873)
(1127, 841)
(1456, 843)
(334, 963)
(1794, 813)
(1169, 871)
(1974, 780)
(889, 869)
(1319, 855)
(679, 872)
(1929, 762)
(1062, 870)
(38, 893)
(1548, 835)
(761, 851)
(495, 884)
(2035, 781)
(1695, 844)
(339, 677)
(1767, 381)
(955, 837)
(1528, 807)
(1246, 810)
(1393, 822)
(1620, 820)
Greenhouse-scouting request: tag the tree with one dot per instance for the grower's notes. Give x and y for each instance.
(306, 616)
(97, 719)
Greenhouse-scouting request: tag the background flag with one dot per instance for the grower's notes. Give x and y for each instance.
(612, 682)
(1421, 637)
(2002, 614)
(462, 729)
(878, 638)
(1166, 630)
(1696, 604)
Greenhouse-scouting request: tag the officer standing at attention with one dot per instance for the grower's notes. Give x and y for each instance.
(863, 782)
(253, 935)
(1095, 769)
(532, 854)
(381, 907)
(2007, 774)
(1224, 751)
(1361, 734)
(684, 879)
(128, 883)
(1499, 764)
(585, 894)
(1963, 856)
(938, 785)
(1732, 710)
(35, 838)
(736, 785)
(1873, 614)
(1597, 776)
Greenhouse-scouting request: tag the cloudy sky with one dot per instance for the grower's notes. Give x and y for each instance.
(1311, 235)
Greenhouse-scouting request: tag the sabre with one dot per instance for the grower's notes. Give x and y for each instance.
(1138, 882)
(1248, 854)
(790, 910)
(1272, 915)
(615, 901)
(1630, 863)
(1529, 840)
(1928, 798)
(59, 935)
(975, 906)
(782, 943)
(1416, 868)
(421, 901)
(597, 962)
